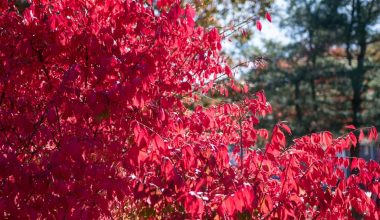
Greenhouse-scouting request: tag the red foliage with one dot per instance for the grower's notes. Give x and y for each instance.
(93, 124)
(259, 26)
(268, 16)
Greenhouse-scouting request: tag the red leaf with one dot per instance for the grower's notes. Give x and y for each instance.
(267, 204)
(346, 162)
(162, 114)
(140, 134)
(248, 196)
(268, 17)
(167, 168)
(327, 138)
(285, 127)
(53, 22)
(358, 206)
(185, 86)
(315, 138)
(354, 163)
(228, 206)
(222, 157)
(263, 133)
(280, 138)
(200, 184)
(245, 89)
(194, 205)
(258, 25)
(361, 136)
(190, 13)
(29, 15)
(273, 151)
(373, 134)
(261, 96)
(228, 71)
(353, 139)
(142, 156)
(375, 188)
(350, 127)
(158, 143)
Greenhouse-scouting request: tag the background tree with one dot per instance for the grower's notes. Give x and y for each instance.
(321, 68)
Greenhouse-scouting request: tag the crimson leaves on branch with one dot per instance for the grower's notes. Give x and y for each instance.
(93, 124)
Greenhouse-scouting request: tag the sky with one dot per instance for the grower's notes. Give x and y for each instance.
(271, 31)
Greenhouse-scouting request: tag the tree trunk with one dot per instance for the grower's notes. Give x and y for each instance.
(357, 76)
(297, 94)
(313, 95)
(356, 83)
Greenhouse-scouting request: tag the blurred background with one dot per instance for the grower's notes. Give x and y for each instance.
(318, 61)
